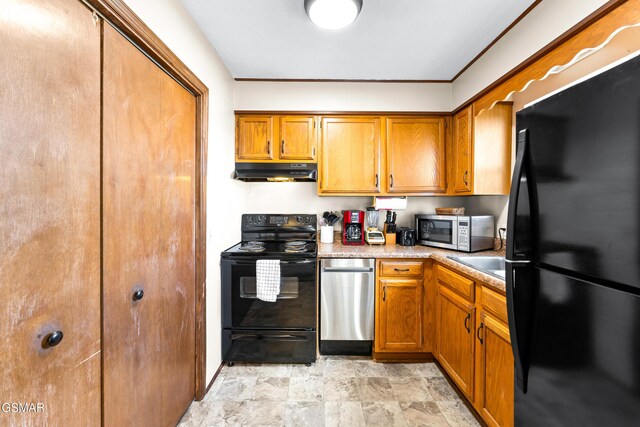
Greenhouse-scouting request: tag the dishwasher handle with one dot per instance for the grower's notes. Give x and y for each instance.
(347, 269)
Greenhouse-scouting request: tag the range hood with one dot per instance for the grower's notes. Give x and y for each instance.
(276, 172)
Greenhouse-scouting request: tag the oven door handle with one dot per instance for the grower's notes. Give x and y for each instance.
(279, 337)
(306, 261)
(248, 262)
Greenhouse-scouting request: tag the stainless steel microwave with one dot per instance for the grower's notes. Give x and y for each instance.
(460, 233)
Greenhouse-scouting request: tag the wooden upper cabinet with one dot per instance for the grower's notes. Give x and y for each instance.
(349, 155)
(462, 151)
(481, 150)
(254, 138)
(455, 338)
(416, 155)
(297, 138)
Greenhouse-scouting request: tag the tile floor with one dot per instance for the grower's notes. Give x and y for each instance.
(335, 391)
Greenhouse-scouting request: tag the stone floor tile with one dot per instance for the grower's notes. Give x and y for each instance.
(343, 414)
(241, 370)
(457, 414)
(263, 413)
(304, 414)
(427, 413)
(428, 370)
(268, 370)
(306, 389)
(223, 413)
(301, 370)
(410, 389)
(375, 389)
(383, 414)
(238, 389)
(341, 389)
(194, 416)
(399, 370)
(441, 390)
(271, 389)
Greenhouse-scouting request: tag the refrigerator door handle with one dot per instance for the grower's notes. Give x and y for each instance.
(520, 287)
(516, 181)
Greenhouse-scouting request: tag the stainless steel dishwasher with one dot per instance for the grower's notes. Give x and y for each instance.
(347, 293)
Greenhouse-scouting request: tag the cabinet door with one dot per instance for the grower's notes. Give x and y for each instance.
(350, 155)
(399, 325)
(148, 240)
(297, 138)
(415, 155)
(494, 371)
(455, 324)
(463, 151)
(49, 213)
(254, 138)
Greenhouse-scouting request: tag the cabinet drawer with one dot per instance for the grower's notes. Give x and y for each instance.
(494, 303)
(458, 283)
(401, 268)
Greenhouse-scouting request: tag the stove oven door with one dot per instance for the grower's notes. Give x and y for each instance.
(295, 307)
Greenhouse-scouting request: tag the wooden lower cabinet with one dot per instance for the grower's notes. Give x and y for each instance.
(401, 325)
(400, 315)
(455, 342)
(473, 344)
(494, 367)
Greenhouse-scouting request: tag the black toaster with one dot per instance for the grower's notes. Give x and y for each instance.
(406, 236)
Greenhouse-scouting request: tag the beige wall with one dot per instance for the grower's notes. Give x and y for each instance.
(342, 96)
(170, 21)
(541, 26)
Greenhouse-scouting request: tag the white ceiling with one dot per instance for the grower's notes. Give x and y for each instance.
(390, 40)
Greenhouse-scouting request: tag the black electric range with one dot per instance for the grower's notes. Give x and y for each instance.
(283, 331)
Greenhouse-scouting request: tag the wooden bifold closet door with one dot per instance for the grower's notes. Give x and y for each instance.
(148, 240)
(49, 213)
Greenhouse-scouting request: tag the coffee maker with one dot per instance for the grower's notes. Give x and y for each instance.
(353, 228)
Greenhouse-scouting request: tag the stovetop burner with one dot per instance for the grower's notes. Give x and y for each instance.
(273, 236)
(296, 247)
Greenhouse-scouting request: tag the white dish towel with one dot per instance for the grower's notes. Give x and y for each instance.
(267, 279)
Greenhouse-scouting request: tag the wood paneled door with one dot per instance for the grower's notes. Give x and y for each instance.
(254, 138)
(297, 138)
(400, 323)
(148, 243)
(49, 212)
(416, 155)
(350, 155)
(455, 337)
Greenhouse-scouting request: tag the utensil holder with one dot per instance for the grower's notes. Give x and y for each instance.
(326, 234)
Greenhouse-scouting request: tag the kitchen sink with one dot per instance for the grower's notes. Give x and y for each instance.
(493, 265)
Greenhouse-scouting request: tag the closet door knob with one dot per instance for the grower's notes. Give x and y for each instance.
(53, 339)
(137, 295)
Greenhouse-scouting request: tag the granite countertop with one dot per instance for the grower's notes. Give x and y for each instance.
(338, 250)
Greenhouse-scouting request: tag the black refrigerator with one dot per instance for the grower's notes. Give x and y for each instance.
(573, 255)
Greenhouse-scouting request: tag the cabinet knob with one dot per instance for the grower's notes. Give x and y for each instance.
(53, 339)
(137, 295)
(464, 178)
(391, 181)
(282, 147)
(466, 320)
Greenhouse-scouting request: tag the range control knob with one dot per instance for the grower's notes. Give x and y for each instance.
(299, 219)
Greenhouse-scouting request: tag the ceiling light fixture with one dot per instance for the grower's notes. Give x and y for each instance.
(332, 14)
